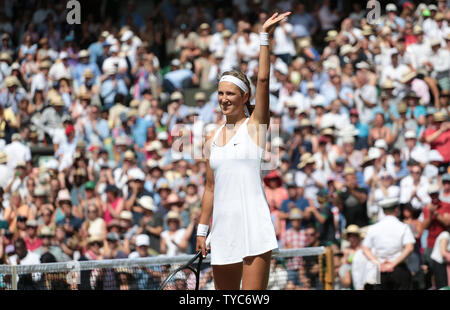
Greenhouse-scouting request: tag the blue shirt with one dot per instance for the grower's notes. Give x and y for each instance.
(78, 72)
(178, 76)
(102, 129)
(301, 203)
(109, 92)
(95, 50)
(140, 130)
(363, 129)
(329, 92)
(303, 24)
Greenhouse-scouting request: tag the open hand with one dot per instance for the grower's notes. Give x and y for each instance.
(269, 25)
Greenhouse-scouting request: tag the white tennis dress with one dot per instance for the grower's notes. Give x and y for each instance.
(241, 224)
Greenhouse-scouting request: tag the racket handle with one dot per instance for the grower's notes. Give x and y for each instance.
(208, 240)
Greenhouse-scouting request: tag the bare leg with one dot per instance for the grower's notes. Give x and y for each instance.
(227, 277)
(256, 272)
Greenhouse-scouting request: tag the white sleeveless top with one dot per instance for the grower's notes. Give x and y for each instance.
(242, 224)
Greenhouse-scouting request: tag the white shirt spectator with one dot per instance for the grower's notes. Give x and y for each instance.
(308, 183)
(230, 58)
(436, 253)
(369, 94)
(418, 53)
(393, 191)
(327, 18)
(360, 270)
(216, 43)
(6, 174)
(248, 49)
(111, 61)
(30, 259)
(387, 238)
(429, 25)
(284, 97)
(283, 41)
(407, 188)
(337, 120)
(440, 61)
(394, 74)
(172, 249)
(120, 178)
(16, 152)
(58, 70)
(419, 153)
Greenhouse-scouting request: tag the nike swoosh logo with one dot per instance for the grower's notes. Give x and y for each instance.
(236, 144)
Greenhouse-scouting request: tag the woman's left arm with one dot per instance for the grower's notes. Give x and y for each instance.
(261, 113)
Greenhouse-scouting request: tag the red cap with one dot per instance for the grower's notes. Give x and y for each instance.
(70, 129)
(354, 112)
(323, 139)
(407, 4)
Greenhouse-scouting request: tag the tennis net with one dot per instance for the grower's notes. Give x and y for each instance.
(304, 268)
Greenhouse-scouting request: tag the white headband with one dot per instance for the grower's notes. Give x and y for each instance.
(235, 81)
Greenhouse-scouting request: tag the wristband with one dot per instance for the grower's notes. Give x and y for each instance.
(202, 230)
(264, 38)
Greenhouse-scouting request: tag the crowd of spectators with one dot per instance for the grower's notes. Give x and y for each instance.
(99, 149)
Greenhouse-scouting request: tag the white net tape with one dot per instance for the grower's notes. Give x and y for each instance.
(148, 261)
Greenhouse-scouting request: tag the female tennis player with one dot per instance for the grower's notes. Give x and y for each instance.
(242, 233)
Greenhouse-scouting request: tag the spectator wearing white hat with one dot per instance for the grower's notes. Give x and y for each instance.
(142, 243)
(136, 190)
(115, 60)
(151, 222)
(112, 85)
(431, 170)
(413, 149)
(148, 277)
(288, 93)
(392, 19)
(388, 244)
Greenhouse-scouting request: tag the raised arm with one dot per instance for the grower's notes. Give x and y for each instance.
(261, 113)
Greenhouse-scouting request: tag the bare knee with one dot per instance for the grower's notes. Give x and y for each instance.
(227, 277)
(256, 272)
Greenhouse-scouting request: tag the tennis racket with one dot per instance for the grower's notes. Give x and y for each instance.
(179, 273)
